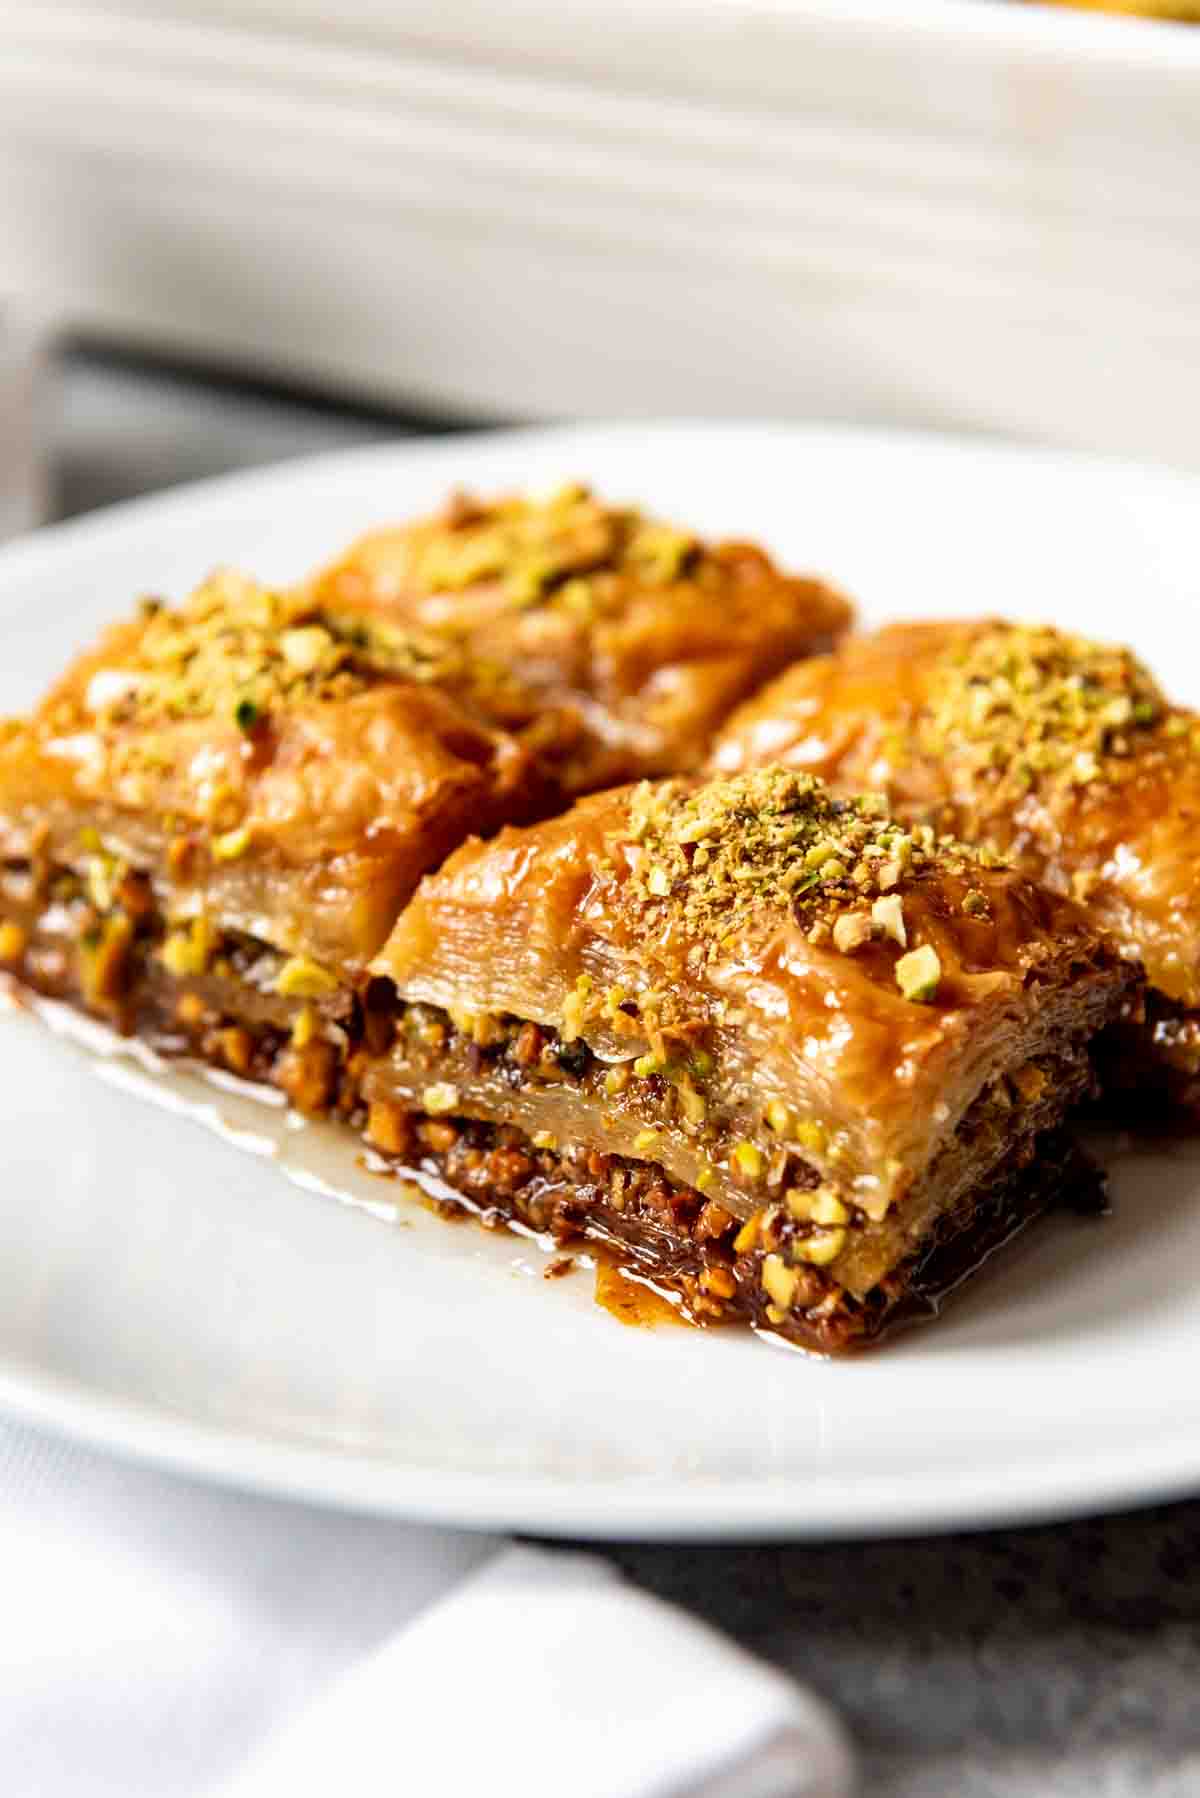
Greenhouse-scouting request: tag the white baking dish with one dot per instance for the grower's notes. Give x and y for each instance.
(956, 212)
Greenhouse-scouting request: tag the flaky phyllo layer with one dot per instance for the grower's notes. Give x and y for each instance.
(630, 639)
(798, 1062)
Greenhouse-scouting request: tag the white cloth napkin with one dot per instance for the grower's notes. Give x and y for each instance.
(160, 1639)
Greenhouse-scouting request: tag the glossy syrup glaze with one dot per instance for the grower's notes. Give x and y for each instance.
(283, 779)
(1098, 796)
(749, 1037)
(632, 637)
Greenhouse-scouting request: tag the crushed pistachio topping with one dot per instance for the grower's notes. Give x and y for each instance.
(566, 550)
(888, 913)
(238, 651)
(851, 931)
(1029, 707)
(777, 838)
(222, 652)
(918, 974)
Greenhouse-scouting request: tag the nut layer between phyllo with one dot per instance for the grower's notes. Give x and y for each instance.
(793, 1060)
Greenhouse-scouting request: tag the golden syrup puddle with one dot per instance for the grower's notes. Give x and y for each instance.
(631, 1301)
(308, 1155)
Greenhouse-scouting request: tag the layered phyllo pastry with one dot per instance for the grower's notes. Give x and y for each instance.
(630, 639)
(240, 767)
(793, 1061)
(1057, 752)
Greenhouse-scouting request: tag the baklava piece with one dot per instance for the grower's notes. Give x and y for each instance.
(1059, 753)
(630, 639)
(221, 809)
(793, 1062)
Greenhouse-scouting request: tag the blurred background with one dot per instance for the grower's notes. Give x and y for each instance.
(313, 223)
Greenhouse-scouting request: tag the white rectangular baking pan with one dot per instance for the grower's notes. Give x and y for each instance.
(955, 212)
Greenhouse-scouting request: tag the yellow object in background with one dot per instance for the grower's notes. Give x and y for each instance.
(1184, 11)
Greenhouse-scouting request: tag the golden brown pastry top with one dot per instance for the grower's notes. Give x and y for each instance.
(867, 978)
(630, 639)
(266, 766)
(1060, 753)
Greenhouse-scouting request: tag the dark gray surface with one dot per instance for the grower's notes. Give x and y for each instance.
(1026, 1662)
(1040, 1663)
(119, 428)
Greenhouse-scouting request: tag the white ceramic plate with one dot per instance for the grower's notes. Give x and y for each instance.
(166, 1293)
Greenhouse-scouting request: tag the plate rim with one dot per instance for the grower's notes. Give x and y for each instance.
(700, 1511)
(22, 555)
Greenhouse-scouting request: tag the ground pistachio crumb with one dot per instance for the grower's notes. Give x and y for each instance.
(565, 549)
(1033, 707)
(888, 913)
(776, 838)
(247, 653)
(918, 974)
